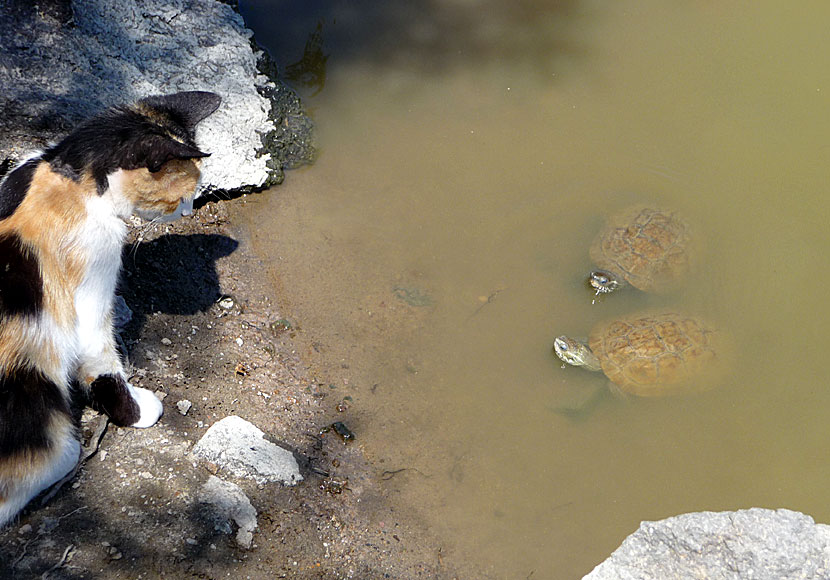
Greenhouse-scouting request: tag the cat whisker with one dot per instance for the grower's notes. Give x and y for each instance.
(145, 229)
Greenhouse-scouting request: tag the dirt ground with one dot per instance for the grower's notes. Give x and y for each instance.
(206, 328)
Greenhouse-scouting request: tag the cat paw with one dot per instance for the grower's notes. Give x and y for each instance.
(150, 408)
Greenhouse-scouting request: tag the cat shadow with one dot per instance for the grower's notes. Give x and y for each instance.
(172, 274)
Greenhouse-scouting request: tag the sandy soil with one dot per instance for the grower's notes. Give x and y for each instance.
(206, 328)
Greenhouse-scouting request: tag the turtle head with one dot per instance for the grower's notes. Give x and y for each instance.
(575, 353)
(604, 281)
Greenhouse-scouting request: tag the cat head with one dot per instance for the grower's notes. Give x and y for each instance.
(146, 150)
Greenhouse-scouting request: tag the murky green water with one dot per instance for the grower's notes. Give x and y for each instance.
(469, 153)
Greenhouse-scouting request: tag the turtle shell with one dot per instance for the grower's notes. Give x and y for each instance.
(656, 355)
(648, 247)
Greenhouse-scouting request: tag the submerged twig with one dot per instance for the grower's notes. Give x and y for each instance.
(490, 298)
(389, 474)
(67, 554)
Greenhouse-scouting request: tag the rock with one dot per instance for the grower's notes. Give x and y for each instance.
(229, 503)
(56, 72)
(239, 447)
(754, 543)
(184, 406)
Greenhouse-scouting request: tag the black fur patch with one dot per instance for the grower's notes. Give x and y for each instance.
(124, 138)
(187, 108)
(27, 401)
(15, 186)
(21, 287)
(110, 395)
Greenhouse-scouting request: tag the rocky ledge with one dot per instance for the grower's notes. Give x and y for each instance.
(62, 61)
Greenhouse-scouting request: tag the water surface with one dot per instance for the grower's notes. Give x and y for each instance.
(469, 152)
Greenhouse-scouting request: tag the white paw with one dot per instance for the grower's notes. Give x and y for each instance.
(150, 407)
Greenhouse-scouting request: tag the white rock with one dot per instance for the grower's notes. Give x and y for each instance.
(229, 502)
(240, 447)
(184, 406)
(755, 543)
(121, 50)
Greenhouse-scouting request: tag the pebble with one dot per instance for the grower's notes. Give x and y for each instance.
(226, 303)
(184, 406)
(25, 529)
(166, 341)
(228, 502)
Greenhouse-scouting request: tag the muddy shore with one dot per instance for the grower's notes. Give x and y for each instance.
(207, 328)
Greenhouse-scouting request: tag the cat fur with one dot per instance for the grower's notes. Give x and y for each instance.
(62, 229)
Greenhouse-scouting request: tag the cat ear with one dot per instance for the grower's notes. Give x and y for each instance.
(189, 107)
(160, 150)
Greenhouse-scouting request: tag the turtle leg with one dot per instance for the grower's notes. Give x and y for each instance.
(582, 408)
(618, 392)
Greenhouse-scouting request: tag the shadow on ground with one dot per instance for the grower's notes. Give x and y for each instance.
(172, 274)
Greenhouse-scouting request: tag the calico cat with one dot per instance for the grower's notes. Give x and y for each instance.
(62, 227)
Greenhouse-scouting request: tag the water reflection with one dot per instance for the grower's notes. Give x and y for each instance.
(310, 70)
(429, 36)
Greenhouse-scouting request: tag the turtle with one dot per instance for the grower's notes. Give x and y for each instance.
(649, 354)
(645, 247)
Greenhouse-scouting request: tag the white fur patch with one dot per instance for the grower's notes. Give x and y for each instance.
(100, 240)
(151, 408)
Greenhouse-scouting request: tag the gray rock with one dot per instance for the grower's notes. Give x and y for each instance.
(184, 406)
(57, 69)
(229, 503)
(239, 447)
(755, 543)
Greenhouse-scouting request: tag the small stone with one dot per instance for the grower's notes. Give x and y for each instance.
(239, 341)
(184, 406)
(191, 541)
(25, 529)
(166, 341)
(226, 303)
(228, 502)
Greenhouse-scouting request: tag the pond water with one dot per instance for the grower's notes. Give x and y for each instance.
(469, 153)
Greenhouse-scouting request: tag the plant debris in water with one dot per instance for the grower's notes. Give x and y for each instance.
(340, 428)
